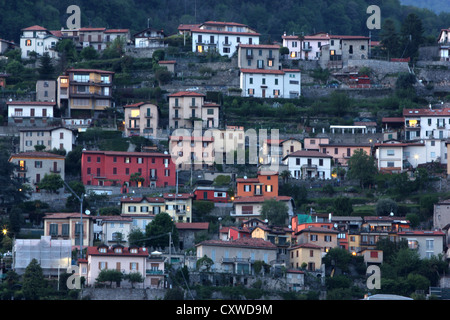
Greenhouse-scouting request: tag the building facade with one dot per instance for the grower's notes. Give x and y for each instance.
(307, 164)
(33, 166)
(30, 113)
(141, 119)
(221, 37)
(59, 138)
(127, 169)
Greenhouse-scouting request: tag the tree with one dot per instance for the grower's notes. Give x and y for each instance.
(204, 263)
(137, 178)
(340, 103)
(275, 211)
(51, 182)
(411, 36)
(342, 206)
(72, 202)
(14, 190)
(46, 69)
(89, 53)
(362, 167)
(134, 277)
(114, 49)
(33, 284)
(110, 275)
(285, 175)
(385, 207)
(389, 38)
(158, 231)
(136, 237)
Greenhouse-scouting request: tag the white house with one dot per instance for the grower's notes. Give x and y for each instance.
(444, 45)
(30, 113)
(250, 206)
(222, 37)
(307, 164)
(52, 138)
(39, 40)
(149, 38)
(427, 123)
(270, 83)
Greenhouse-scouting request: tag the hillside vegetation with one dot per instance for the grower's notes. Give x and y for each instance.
(270, 18)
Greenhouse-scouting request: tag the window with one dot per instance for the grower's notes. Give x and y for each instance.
(38, 164)
(313, 237)
(247, 188)
(132, 209)
(390, 152)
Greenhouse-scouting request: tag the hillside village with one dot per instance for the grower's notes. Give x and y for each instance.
(208, 165)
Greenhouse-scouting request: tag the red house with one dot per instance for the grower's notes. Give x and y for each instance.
(134, 169)
(212, 193)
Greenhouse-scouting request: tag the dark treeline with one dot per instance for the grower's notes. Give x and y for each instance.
(269, 17)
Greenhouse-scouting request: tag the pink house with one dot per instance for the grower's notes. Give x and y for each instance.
(125, 259)
(342, 152)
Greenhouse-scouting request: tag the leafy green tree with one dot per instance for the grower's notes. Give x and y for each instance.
(384, 207)
(204, 262)
(338, 258)
(158, 231)
(136, 237)
(275, 211)
(389, 38)
(51, 182)
(340, 103)
(342, 206)
(362, 167)
(89, 53)
(13, 190)
(411, 36)
(134, 277)
(33, 283)
(115, 49)
(110, 275)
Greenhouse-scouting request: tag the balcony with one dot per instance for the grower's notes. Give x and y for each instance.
(55, 170)
(226, 44)
(149, 115)
(153, 178)
(154, 272)
(193, 106)
(307, 48)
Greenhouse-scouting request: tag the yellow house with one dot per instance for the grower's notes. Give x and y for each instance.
(322, 237)
(354, 245)
(305, 253)
(277, 235)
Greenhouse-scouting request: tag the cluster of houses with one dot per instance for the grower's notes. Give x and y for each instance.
(198, 141)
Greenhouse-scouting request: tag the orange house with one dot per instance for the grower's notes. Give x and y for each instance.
(265, 184)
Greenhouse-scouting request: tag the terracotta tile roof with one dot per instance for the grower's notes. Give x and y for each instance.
(308, 153)
(260, 46)
(37, 154)
(186, 94)
(177, 195)
(126, 153)
(65, 215)
(167, 62)
(89, 70)
(426, 112)
(31, 103)
(94, 251)
(242, 243)
(421, 233)
(192, 225)
(140, 199)
(317, 229)
(262, 71)
(89, 29)
(256, 199)
(117, 31)
(306, 245)
(35, 28)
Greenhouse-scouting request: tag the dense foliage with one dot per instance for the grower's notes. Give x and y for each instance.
(270, 18)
